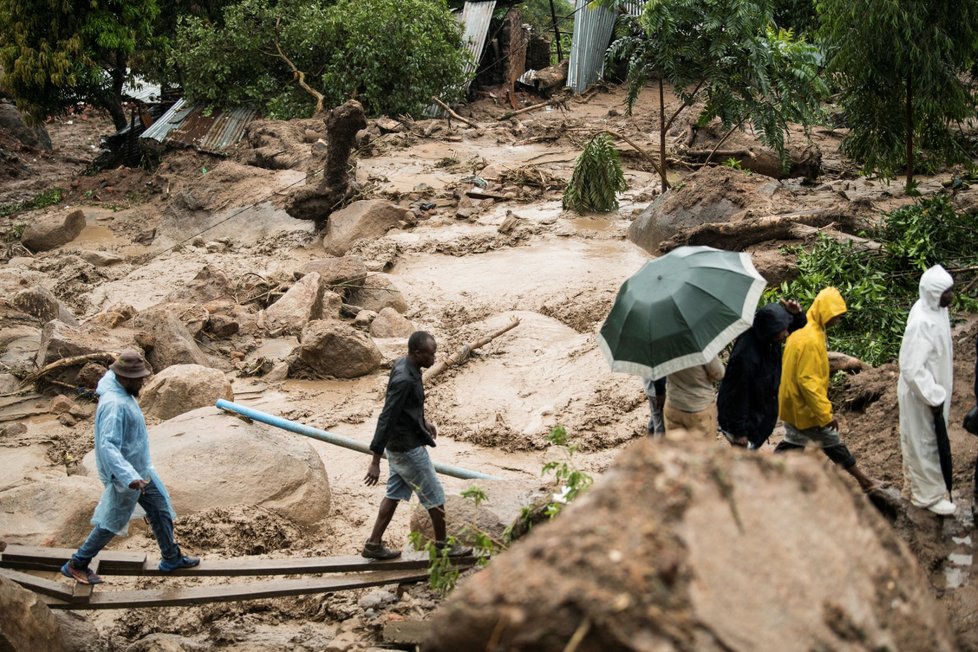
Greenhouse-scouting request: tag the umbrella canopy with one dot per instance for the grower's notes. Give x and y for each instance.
(680, 310)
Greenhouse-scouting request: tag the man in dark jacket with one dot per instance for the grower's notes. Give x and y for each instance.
(404, 433)
(747, 404)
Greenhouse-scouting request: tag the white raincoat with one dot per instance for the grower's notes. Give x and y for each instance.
(926, 372)
(121, 455)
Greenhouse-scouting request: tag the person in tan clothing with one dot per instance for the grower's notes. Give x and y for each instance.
(691, 400)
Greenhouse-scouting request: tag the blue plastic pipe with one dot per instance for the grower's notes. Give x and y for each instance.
(330, 438)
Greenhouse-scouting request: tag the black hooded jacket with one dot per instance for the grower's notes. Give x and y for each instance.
(747, 404)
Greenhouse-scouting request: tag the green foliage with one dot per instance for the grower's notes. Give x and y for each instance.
(879, 287)
(571, 479)
(352, 48)
(797, 15)
(475, 494)
(887, 55)
(442, 572)
(729, 55)
(47, 198)
(597, 178)
(536, 13)
(55, 53)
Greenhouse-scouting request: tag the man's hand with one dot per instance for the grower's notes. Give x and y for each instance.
(430, 427)
(791, 306)
(139, 485)
(373, 473)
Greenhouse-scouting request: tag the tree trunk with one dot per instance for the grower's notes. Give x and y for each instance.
(909, 128)
(662, 137)
(112, 100)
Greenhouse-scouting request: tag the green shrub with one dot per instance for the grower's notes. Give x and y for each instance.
(597, 178)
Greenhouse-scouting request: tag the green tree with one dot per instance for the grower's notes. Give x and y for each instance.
(54, 53)
(899, 65)
(353, 48)
(729, 55)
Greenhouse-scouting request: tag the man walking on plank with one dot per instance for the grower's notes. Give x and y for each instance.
(124, 467)
(405, 434)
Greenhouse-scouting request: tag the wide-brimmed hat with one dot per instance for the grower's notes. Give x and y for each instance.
(130, 364)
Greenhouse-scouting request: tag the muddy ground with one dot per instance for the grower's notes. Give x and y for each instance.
(461, 277)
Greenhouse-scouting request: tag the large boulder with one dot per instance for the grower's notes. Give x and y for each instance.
(307, 300)
(333, 348)
(27, 623)
(715, 194)
(378, 294)
(208, 459)
(50, 232)
(40, 302)
(171, 341)
(390, 323)
(367, 218)
(52, 511)
(13, 124)
(59, 340)
(686, 545)
(208, 285)
(342, 274)
(181, 388)
(464, 520)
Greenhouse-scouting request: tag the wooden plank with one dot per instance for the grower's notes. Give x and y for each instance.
(179, 596)
(37, 584)
(39, 558)
(298, 565)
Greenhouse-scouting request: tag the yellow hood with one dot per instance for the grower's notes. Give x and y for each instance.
(828, 304)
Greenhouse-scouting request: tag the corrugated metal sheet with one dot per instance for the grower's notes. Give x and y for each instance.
(593, 27)
(185, 124)
(475, 26)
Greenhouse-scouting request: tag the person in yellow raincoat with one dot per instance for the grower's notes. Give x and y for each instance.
(803, 397)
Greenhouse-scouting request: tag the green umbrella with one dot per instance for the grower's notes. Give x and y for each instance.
(680, 310)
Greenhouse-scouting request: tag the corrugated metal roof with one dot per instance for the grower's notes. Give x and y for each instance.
(185, 124)
(475, 26)
(593, 26)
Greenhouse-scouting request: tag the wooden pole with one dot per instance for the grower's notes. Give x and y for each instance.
(452, 113)
(553, 17)
(462, 354)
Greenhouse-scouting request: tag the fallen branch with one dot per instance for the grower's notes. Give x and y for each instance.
(525, 109)
(736, 236)
(842, 362)
(298, 75)
(67, 362)
(451, 113)
(648, 157)
(804, 232)
(462, 354)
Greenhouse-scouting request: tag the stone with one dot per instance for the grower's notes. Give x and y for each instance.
(390, 323)
(13, 124)
(107, 320)
(181, 388)
(380, 293)
(656, 549)
(171, 342)
(333, 348)
(368, 218)
(39, 302)
(208, 459)
(79, 633)
(222, 326)
(364, 318)
(463, 520)
(89, 375)
(342, 274)
(52, 511)
(377, 598)
(209, 284)
(59, 340)
(8, 383)
(61, 404)
(50, 232)
(294, 309)
(27, 623)
(100, 258)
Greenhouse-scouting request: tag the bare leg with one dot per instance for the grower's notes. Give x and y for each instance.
(866, 483)
(437, 515)
(384, 516)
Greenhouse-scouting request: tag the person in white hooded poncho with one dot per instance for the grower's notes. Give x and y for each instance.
(924, 389)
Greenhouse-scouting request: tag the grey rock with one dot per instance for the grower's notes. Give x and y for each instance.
(50, 232)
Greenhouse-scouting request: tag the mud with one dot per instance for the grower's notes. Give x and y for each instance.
(462, 274)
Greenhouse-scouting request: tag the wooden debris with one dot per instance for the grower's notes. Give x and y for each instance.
(451, 113)
(462, 354)
(842, 362)
(805, 232)
(67, 362)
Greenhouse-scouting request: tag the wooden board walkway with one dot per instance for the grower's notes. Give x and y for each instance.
(350, 572)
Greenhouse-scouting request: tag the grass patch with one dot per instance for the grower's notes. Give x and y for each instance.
(47, 198)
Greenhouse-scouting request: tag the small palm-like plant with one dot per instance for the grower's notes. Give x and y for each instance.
(597, 178)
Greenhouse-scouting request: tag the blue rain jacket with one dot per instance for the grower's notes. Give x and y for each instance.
(121, 456)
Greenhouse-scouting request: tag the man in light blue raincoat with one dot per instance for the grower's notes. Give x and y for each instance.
(124, 467)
